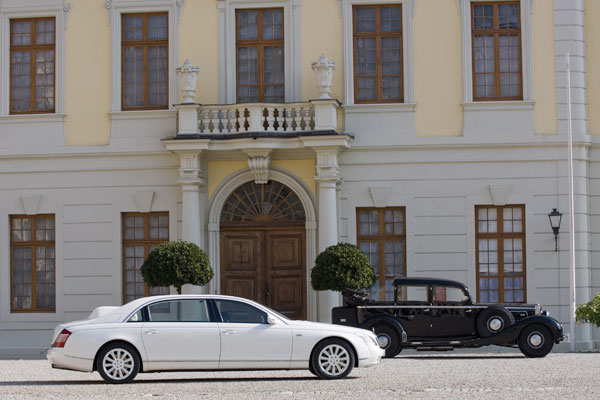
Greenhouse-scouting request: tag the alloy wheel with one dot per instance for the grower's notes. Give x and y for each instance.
(334, 359)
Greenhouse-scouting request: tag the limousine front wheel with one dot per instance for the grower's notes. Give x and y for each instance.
(535, 341)
(332, 359)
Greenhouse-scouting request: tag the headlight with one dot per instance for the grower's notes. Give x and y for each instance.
(367, 338)
(538, 309)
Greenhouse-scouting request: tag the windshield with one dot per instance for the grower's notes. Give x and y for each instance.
(280, 315)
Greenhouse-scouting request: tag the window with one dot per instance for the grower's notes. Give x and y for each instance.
(415, 293)
(32, 65)
(179, 311)
(500, 240)
(260, 56)
(144, 58)
(449, 294)
(32, 263)
(382, 237)
(496, 41)
(241, 313)
(377, 33)
(142, 232)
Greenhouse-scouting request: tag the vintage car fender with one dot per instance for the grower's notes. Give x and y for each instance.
(511, 333)
(385, 319)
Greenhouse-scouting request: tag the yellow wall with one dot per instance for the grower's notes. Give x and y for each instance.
(437, 68)
(303, 169)
(87, 74)
(219, 170)
(544, 71)
(321, 32)
(592, 36)
(199, 42)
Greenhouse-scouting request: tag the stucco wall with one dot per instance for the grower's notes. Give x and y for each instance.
(592, 37)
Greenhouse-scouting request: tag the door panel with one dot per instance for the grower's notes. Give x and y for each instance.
(267, 266)
(285, 273)
(241, 260)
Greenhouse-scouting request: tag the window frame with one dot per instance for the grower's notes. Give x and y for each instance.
(378, 35)
(346, 10)
(496, 32)
(145, 43)
(37, 9)
(260, 44)
(525, 11)
(381, 238)
(500, 236)
(292, 16)
(33, 244)
(146, 242)
(33, 48)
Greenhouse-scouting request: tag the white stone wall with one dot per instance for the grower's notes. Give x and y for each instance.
(87, 194)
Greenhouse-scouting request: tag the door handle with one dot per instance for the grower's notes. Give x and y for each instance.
(228, 332)
(150, 331)
(426, 311)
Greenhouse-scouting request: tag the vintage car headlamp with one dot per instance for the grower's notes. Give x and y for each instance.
(538, 309)
(367, 338)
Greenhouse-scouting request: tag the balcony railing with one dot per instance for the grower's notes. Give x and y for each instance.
(256, 117)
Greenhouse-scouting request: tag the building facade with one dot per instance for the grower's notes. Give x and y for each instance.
(436, 142)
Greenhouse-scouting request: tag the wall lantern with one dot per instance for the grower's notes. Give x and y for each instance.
(555, 218)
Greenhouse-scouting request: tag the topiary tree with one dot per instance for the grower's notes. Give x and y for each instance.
(590, 311)
(342, 266)
(177, 264)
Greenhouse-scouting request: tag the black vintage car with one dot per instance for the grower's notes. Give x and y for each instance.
(439, 314)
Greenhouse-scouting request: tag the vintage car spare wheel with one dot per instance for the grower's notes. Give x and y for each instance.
(388, 339)
(493, 320)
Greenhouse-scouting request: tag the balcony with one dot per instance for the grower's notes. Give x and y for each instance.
(282, 120)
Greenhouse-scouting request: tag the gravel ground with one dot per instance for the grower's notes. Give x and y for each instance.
(412, 375)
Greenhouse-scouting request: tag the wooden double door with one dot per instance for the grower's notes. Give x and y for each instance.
(266, 265)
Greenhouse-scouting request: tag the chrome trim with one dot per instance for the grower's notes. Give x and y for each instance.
(425, 307)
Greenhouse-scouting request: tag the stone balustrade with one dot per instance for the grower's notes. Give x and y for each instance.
(256, 117)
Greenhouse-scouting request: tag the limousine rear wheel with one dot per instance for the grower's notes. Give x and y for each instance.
(332, 359)
(535, 341)
(388, 339)
(118, 363)
(493, 320)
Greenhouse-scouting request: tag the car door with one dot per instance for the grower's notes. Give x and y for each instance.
(451, 315)
(248, 340)
(413, 310)
(180, 334)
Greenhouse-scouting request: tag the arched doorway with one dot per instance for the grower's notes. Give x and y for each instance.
(263, 239)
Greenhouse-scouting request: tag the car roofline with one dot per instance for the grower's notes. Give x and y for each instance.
(429, 281)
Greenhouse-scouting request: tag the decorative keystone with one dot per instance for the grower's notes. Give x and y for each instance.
(324, 73)
(188, 76)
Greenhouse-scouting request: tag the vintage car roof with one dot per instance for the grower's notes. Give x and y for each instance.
(428, 281)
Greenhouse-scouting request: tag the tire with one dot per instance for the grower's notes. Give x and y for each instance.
(388, 339)
(493, 320)
(332, 359)
(535, 341)
(118, 363)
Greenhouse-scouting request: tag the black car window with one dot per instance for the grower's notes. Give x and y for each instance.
(190, 310)
(238, 312)
(449, 294)
(414, 293)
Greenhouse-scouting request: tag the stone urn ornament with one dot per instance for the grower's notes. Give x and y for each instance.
(324, 72)
(188, 76)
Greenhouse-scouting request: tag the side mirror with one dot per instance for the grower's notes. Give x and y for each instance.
(271, 320)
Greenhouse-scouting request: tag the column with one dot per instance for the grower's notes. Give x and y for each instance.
(193, 187)
(328, 176)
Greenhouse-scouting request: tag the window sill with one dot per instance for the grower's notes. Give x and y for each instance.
(143, 114)
(379, 108)
(31, 118)
(498, 106)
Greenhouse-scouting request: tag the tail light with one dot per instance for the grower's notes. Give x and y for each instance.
(61, 339)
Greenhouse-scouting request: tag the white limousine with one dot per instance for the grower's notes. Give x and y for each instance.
(206, 332)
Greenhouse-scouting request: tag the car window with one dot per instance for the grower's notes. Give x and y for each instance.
(137, 317)
(412, 293)
(191, 310)
(445, 294)
(238, 312)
